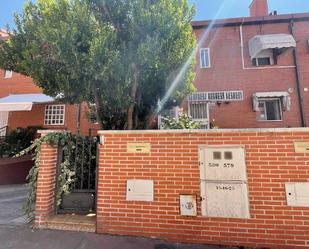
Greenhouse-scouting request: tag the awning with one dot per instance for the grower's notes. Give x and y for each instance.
(23, 102)
(259, 43)
(284, 97)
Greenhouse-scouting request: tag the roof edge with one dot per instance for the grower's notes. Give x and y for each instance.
(250, 20)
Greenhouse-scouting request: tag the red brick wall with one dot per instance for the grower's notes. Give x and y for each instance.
(18, 84)
(173, 165)
(227, 74)
(15, 170)
(45, 196)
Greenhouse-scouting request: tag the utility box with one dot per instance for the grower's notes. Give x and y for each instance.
(224, 163)
(227, 200)
(297, 194)
(187, 205)
(140, 190)
(223, 176)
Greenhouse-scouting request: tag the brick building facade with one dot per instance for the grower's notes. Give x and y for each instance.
(40, 114)
(20, 85)
(277, 73)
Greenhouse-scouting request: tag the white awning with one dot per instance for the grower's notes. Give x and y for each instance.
(23, 102)
(284, 97)
(271, 94)
(259, 43)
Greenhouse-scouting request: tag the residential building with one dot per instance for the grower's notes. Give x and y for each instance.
(23, 104)
(252, 71)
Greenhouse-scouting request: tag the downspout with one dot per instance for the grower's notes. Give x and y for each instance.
(78, 106)
(242, 44)
(298, 79)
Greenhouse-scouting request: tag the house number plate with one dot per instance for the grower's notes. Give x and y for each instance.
(301, 147)
(138, 147)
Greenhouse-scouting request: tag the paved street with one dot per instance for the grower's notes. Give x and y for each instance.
(15, 234)
(25, 238)
(11, 200)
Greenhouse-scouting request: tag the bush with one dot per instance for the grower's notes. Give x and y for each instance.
(17, 140)
(183, 122)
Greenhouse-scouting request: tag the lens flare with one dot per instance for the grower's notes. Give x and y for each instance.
(185, 67)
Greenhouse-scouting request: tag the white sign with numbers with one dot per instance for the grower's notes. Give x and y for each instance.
(224, 163)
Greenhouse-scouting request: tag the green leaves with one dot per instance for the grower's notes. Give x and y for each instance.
(183, 122)
(84, 51)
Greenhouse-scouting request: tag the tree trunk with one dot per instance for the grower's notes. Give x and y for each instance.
(133, 97)
(97, 101)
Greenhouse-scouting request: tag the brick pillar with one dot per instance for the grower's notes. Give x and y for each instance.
(45, 196)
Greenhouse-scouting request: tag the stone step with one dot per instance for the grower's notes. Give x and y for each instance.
(67, 222)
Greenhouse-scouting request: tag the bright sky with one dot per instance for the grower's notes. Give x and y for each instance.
(206, 9)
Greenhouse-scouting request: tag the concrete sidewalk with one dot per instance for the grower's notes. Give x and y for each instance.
(19, 237)
(15, 234)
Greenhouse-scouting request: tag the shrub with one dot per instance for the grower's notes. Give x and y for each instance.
(183, 122)
(17, 140)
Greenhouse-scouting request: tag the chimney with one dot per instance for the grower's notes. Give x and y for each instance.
(258, 8)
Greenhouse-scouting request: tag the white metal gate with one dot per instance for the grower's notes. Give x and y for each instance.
(4, 116)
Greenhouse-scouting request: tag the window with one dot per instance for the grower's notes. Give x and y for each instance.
(8, 74)
(204, 58)
(217, 155)
(264, 58)
(228, 155)
(261, 61)
(54, 115)
(198, 111)
(270, 109)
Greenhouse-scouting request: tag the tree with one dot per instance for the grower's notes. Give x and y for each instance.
(120, 54)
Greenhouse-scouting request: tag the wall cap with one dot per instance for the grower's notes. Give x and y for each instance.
(256, 130)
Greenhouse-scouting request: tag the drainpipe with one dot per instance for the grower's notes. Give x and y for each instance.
(78, 106)
(298, 79)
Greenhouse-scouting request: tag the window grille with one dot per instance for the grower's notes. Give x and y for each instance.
(54, 115)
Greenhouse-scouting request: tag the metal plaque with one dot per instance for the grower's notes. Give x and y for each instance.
(301, 147)
(138, 147)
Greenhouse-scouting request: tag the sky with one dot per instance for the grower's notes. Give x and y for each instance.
(205, 9)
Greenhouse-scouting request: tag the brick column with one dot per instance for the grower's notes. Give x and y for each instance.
(45, 196)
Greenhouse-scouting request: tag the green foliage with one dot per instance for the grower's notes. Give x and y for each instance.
(17, 140)
(65, 178)
(120, 54)
(183, 122)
